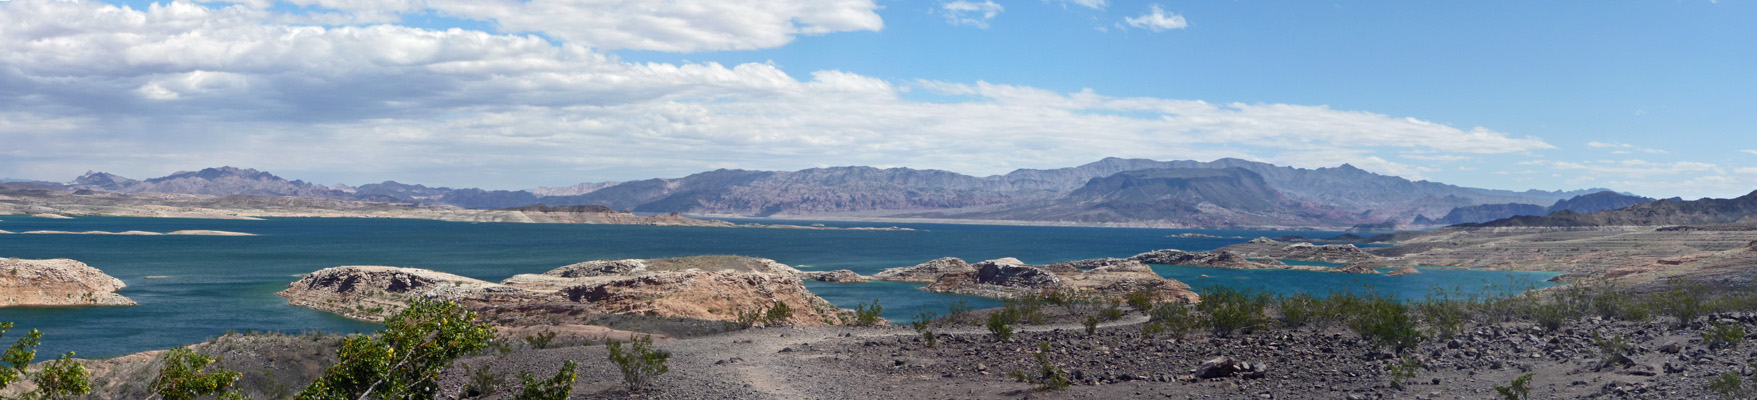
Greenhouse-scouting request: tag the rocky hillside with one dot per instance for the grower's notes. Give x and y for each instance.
(1584, 204)
(58, 282)
(1742, 209)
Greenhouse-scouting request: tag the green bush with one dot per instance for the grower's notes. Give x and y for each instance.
(1048, 376)
(1682, 300)
(1000, 324)
(1614, 350)
(554, 388)
(959, 312)
(1172, 318)
(1141, 300)
(62, 378)
(1231, 309)
(1404, 370)
(401, 361)
(639, 363)
(1027, 309)
(923, 325)
(1299, 310)
(1386, 322)
(182, 379)
(869, 314)
(1519, 389)
(779, 314)
(1723, 335)
(1729, 384)
(1091, 324)
(540, 340)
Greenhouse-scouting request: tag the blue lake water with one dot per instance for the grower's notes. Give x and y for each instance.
(215, 284)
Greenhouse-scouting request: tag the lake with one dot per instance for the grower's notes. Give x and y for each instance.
(214, 284)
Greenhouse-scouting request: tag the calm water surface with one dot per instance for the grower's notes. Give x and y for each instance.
(213, 284)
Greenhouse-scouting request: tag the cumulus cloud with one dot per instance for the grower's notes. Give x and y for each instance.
(1092, 4)
(1156, 19)
(187, 85)
(969, 13)
(1624, 148)
(1748, 151)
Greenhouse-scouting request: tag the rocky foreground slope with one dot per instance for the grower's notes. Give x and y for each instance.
(58, 282)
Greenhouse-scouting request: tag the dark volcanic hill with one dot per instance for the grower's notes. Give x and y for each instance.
(1667, 212)
(211, 181)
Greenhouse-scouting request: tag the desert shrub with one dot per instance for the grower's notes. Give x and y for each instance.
(1519, 389)
(182, 379)
(1614, 350)
(923, 325)
(401, 361)
(1111, 312)
(1550, 315)
(639, 363)
(869, 314)
(1386, 322)
(1171, 318)
(482, 383)
(959, 312)
(1231, 309)
(1723, 335)
(1048, 376)
(62, 378)
(1141, 300)
(1681, 300)
(1027, 309)
(1299, 310)
(554, 388)
(1091, 324)
(781, 312)
(1000, 324)
(1403, 370)
(1729, 384)
(541, 340)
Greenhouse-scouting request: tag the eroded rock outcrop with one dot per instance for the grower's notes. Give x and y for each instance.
(1329, 253)
(837, 276)
(1211, 259)
(57, 282)
(927, 272)
(1106, 278)
(1404, 270)
(716, 288)
(372, 293)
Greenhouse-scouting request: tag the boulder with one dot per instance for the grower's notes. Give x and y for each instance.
(1223, 366)
(57, 282)
(927, 272)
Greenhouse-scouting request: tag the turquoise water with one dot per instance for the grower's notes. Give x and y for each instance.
(217, 284)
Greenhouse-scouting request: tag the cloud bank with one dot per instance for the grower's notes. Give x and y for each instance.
(87, 85)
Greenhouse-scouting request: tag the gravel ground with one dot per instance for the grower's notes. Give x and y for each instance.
(1117, 362)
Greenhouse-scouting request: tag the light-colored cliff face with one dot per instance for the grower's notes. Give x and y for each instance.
(58, 282)
(926, 272)
(718, 296)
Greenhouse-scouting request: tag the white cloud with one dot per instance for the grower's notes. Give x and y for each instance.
(1436, 157)
(1092, 4)
(1752, 152)
(1157, 19)
(186, 85)
(1629, 148)
(969, 13)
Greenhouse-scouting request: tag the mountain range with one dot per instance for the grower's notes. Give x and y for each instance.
(1583, 204)
(1112, 191)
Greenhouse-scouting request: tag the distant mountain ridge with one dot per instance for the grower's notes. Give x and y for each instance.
(1584, 204)
(1739, 210)
(1109, 191)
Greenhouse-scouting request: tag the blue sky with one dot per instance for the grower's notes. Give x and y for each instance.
(1650, 97)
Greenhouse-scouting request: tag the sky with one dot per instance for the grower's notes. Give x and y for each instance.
(1654, 98)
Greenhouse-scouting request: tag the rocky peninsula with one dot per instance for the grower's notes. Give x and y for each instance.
(1009, 278)
(57, 282)
(701, 288)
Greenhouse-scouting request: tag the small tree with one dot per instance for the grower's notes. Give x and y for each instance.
(182, 379)
(60, 379)
(554, 388)
(868, 314)
(402, 360)
(639, 363)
